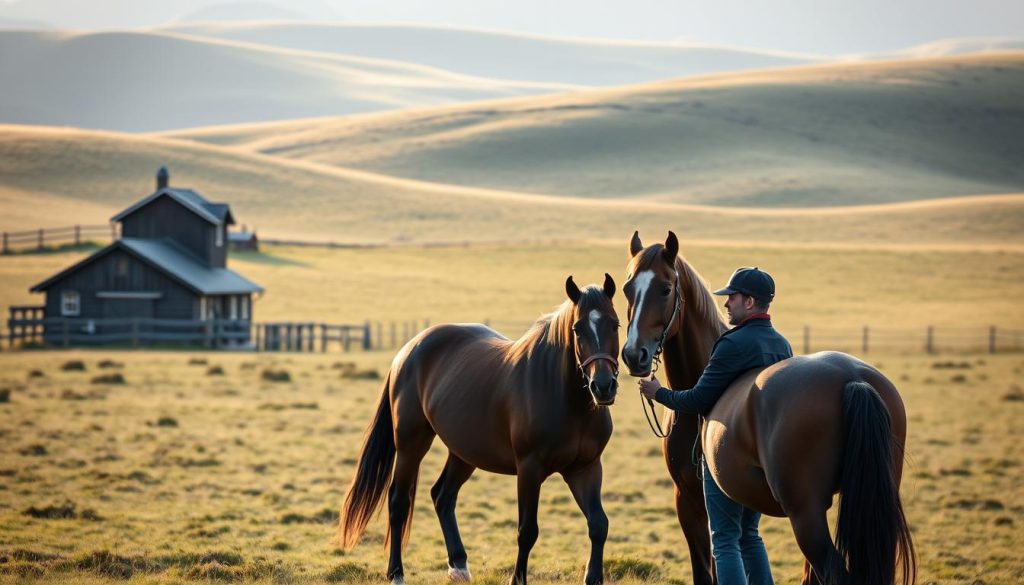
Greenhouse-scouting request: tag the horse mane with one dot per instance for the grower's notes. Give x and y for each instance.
(700, 299)
(551, 335)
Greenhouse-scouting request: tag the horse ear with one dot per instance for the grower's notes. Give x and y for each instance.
(572, 290)
(609, 285)
(671, 248)
(635, 245)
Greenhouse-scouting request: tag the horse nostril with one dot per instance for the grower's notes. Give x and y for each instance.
(644, 355)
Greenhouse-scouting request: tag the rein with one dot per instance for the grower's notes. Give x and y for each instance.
(651, 414)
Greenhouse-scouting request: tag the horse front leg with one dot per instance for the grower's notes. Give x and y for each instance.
(691, 510)
(529, 479)
(585, 485)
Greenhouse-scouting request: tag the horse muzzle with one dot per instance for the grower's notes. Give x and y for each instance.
(604, 391)
(638, 360)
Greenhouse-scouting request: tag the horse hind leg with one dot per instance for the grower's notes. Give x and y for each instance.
(445, 494)
(413, 442)
(824, 564)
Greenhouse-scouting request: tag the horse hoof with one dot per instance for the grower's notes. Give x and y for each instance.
(398, 581)
(457, 575)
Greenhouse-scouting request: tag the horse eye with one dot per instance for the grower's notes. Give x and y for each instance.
(666, 292)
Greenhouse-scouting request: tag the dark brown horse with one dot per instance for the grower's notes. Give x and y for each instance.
(530, 408)
(782, 440)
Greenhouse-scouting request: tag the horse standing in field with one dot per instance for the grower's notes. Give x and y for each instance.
(782, 440)
(530, 408)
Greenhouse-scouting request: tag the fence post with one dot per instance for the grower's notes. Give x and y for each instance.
(930, 342)
(393, 336)
(135, 332)
(6, 250)
(78, 235)
(807, 339)
(67, 333)
(379, 338)
(346, 337)
(992, 339)
(41, 239)
(367, 337)
(864, 340)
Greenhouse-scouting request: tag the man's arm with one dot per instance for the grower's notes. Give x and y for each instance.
(724, 367)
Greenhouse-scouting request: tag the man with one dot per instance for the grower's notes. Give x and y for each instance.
(739, 552)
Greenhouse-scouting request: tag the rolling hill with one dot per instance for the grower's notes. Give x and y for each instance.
(47, 172)
(143, 81)
(839, 134)
(502, 55)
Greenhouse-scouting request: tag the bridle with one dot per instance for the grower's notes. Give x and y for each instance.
(651, 414)
(582, 365)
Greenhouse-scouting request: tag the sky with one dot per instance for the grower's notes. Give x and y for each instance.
(828, 27)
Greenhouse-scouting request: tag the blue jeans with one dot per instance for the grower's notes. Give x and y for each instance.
(740, 557)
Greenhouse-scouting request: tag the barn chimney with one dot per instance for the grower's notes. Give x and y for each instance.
(162, 178)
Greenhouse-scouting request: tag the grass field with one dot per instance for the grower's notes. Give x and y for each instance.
(182, 474)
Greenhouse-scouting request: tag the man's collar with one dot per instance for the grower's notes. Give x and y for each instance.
(755, 318)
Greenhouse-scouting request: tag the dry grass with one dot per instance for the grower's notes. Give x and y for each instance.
(236, 491)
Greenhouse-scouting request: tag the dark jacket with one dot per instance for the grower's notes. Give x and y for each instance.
(753, 344)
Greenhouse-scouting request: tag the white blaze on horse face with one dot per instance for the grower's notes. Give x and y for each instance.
(595, 316)
(641, 283)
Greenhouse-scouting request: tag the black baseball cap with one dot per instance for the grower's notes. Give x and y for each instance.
(752, 282)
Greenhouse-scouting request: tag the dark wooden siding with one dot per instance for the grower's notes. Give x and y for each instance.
(177, 301)
(166, 218)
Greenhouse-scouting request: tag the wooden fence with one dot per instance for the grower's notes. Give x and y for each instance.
(129, 332)
(43, 237)
(27, 325)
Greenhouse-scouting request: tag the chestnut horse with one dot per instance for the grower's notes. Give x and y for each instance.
(530, 408)
(782, 440)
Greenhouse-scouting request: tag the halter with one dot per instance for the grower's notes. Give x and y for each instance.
(652, 415)
(599, 356)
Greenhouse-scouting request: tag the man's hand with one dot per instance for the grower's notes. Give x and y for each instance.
(649, 387)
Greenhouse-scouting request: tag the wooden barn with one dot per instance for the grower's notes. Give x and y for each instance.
(244, 240)
(165, 280)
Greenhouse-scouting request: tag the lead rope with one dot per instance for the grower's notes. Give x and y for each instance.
(651, 414)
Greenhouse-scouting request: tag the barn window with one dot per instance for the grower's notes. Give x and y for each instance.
(245, 308)
(69, 303)
(234, 307)
(220, 235)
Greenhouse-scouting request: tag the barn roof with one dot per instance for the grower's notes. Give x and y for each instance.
(173, 260)
(214, 213)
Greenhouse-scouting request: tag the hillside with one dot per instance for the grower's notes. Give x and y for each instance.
(841, 134)
(45, 172)
(143, 81)
(501, 55)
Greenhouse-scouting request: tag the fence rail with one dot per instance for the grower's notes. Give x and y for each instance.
(68, 235)
(27, 325)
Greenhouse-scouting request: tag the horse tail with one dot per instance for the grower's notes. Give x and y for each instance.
(373, 474)
(872, 535)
